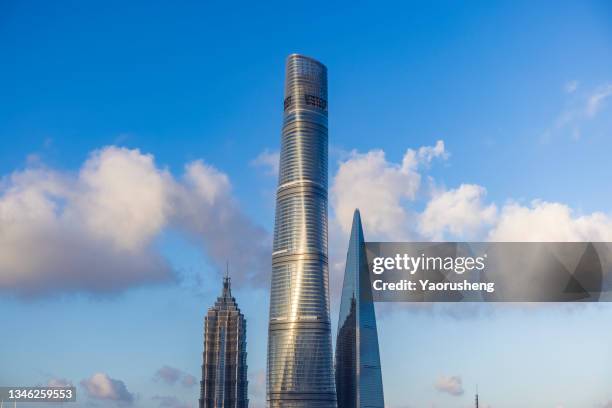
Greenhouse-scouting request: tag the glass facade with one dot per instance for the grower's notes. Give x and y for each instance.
(358, 372)
(224, 367)
(299, 370)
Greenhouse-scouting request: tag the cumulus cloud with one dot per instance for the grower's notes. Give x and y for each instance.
(459, 212)
(94, 230)
(452, 385)
(379, 188)
(58, 232)
(396, 207)
(100, 386)
(383, 191)
(267, 160)
(208, 213)
(121, 197)
(464, 216)
(171, 376)
(387, 194)
(549, 222)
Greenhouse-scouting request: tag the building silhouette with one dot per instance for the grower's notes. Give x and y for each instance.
(224, 368)
(358, 371)
(300, 361)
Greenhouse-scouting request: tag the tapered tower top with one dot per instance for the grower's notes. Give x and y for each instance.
(358, 370)
(305, 84)
(302, 56)
(227, 289)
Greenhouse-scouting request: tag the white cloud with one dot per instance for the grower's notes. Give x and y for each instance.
(389, 196)
(426, 154)
(386, 194)
(597, 98)
(47, 245)
(549, 222)
(122, 197)
(379, 188)
(382, 190)
(206, 183)
(269, 161)
(460, 212)
(452, 385)
(101, 386)
(94, 230)
(207, 212)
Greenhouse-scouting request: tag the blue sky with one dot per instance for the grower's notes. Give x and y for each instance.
(519, 93)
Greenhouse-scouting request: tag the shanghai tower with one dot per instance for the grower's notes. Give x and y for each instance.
(300, 368)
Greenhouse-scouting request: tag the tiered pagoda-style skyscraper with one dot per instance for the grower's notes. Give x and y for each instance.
(224, 369)
(358, 372)
(300, 370)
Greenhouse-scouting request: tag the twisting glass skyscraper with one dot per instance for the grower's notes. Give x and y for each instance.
(300, 371)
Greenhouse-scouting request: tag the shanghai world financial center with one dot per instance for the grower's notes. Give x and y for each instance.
(300, 368)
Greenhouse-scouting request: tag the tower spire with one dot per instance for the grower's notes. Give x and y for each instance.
(227, 290)
(476, 395)
(358, 372)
